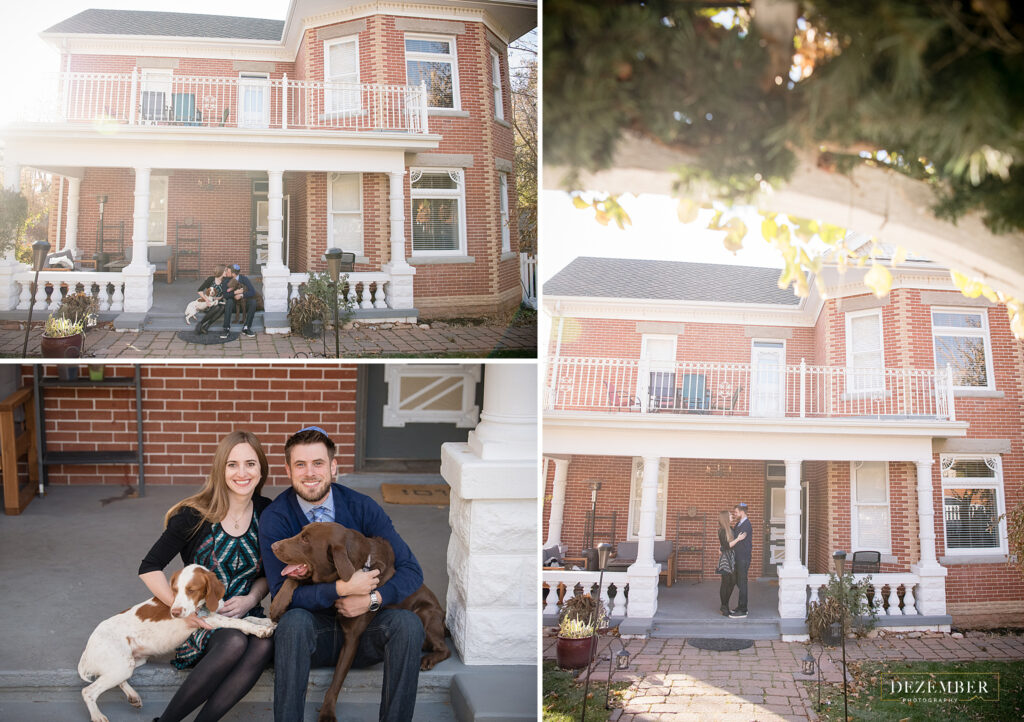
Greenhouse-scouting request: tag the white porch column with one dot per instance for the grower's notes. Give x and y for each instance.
(8, 264)
(643, 574)
(792, 573)
(492, 553)
(71, 237)
(275, 273)
(138, 275)
(557, 502)
(931, 596)
(399, 269)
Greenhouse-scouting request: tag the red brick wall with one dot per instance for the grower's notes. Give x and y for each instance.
(186, 411)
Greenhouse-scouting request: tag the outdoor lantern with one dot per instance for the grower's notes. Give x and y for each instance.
(604, 550)
(40, 249)
(839, 558)
(807, 663)
(622, 660)
(621, 663)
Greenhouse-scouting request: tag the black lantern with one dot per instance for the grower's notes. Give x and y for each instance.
(40, 249)
(807, 664)
(621, 663)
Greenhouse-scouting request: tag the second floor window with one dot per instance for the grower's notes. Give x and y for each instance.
(431, 59)
(341, 73)
(865, 359)
(499, 105)
(345, 212)
(962, 343)
(438, 212)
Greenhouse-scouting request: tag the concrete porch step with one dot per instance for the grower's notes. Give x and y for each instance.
(726, 628)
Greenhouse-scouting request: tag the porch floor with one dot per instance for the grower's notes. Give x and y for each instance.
(692, 610)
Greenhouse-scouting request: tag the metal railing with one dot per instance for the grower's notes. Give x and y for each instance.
(528, 279)
(733, 389)
(193, 101)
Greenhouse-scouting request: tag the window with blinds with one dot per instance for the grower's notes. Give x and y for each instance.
(636, 494)
(341, 74)
(345, 211)
(438, 212)
(962, 342)
(864, 356)
(431, 60)
(870, 527)
(972, 502)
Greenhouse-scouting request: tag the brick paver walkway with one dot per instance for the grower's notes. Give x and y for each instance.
(367, 341)
(671, 680)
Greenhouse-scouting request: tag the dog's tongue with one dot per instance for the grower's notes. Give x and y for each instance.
(293, 570)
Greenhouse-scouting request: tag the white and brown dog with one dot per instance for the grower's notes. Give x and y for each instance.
(207, 299)
(121, 644)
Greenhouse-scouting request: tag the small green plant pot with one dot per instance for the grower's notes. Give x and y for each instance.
(96, 372)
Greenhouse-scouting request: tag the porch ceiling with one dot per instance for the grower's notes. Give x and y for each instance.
(743, 438)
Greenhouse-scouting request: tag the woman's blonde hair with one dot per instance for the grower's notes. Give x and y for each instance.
(212, 500)
(723, 521)
(218, 270)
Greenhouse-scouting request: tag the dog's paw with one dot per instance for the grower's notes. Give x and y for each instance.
(135, 701)
(326, 716)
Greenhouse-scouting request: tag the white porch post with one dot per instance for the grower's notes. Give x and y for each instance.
(492, 553)
(643, 574)
(401, 272)
(275, 273)
(557, 502)
(792, 573)
(138, 275)
(71, 237)
(931, 596)
(9, 265)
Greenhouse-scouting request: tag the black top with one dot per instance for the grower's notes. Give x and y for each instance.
(723, 540)
(743, 547)
(210, 281)
(182, 537)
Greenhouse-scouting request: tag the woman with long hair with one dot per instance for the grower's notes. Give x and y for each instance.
(218, 527)
(727, 560)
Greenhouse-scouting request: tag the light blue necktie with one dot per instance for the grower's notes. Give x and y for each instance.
(319, 513)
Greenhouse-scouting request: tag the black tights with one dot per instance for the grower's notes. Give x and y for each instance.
(229, 669)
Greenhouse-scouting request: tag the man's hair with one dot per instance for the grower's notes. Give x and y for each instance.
(742, 507)
(309, 435)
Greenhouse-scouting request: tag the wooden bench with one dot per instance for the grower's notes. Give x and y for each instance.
(16, 443)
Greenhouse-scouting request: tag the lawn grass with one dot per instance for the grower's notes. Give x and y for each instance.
(563, 696)
(866, 703)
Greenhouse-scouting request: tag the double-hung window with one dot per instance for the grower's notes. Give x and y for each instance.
(962, 342)
(345, 212)
(865, 360)
(506, 231)
(636, 495)
(438, 212)
(341, 75)
(431, 59)
(499, 105)
(972, 502)
(869, 522)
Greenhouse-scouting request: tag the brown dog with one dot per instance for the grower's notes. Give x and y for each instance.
(330, 552)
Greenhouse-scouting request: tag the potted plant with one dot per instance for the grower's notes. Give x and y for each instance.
(578, 623)
(64, 330)
(305, 312)
(842, 603)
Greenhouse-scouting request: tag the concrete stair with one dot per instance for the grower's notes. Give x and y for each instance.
(749, 628)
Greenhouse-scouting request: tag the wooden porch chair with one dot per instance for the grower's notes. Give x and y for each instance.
(17, 440)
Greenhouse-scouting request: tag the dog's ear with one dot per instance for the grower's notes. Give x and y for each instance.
(214, 591)
(174, 583)
(349, 550)
(382, 557)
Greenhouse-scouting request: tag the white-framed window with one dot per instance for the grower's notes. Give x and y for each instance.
(636, 493)
(506, 231)
(499, 104)
(155, 95)
(657, 378)
(341, 75)
(157, 210)
(432, 59)
(870, 527)
(972, 502)
(865, 356)
(438, 211)
(345, 212)
(253, 100)
(431, 393)
(961, 341)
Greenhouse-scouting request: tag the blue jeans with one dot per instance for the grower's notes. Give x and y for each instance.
(229, 312)
(305, 639)
(742, 568)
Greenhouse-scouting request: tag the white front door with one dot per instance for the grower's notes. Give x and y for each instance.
(253, 100)
(768, 378)
(656, 381)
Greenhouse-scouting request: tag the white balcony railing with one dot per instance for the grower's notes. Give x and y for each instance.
(563, 584)
(894, 595)
(184, 101)
(727, 389)
(364, 289)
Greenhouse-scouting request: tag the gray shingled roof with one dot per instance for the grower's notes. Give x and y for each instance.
(185, 25)
(669, 280)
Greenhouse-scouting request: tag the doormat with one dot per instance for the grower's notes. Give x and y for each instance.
(721, 645)
(210, 338)
(436, 494)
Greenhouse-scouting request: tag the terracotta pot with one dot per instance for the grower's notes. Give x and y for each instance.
(66, 347)
(575, 653)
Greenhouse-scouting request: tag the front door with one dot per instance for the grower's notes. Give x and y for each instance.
(253, 100)
(768, 378)
(775, 519)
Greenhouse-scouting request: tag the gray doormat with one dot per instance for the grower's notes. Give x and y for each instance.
(721, 645)
(210, 338)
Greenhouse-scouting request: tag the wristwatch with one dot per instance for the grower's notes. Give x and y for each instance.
(374, 601)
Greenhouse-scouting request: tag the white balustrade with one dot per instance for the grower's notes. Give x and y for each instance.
(365, 289)
(742, 389)
(885, 597)
(616, 606)
(108, 288)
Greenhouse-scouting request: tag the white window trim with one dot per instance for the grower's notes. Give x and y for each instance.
(345, 110)
(496, 89)
(636, 498)
(240, 103)
(780, 409)
(394, 416)
(167, 206)
(982, 333)
(643, 381)
(854, 505)
(452, 57)
(851, 370)
(995, 482)
(331, 241)
(459, 193)
(505, 218)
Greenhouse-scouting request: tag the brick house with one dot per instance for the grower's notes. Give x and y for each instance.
(380, 130)
(849, 422)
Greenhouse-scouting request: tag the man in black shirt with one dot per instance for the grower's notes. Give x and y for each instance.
(743, 552)
(245, 290)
